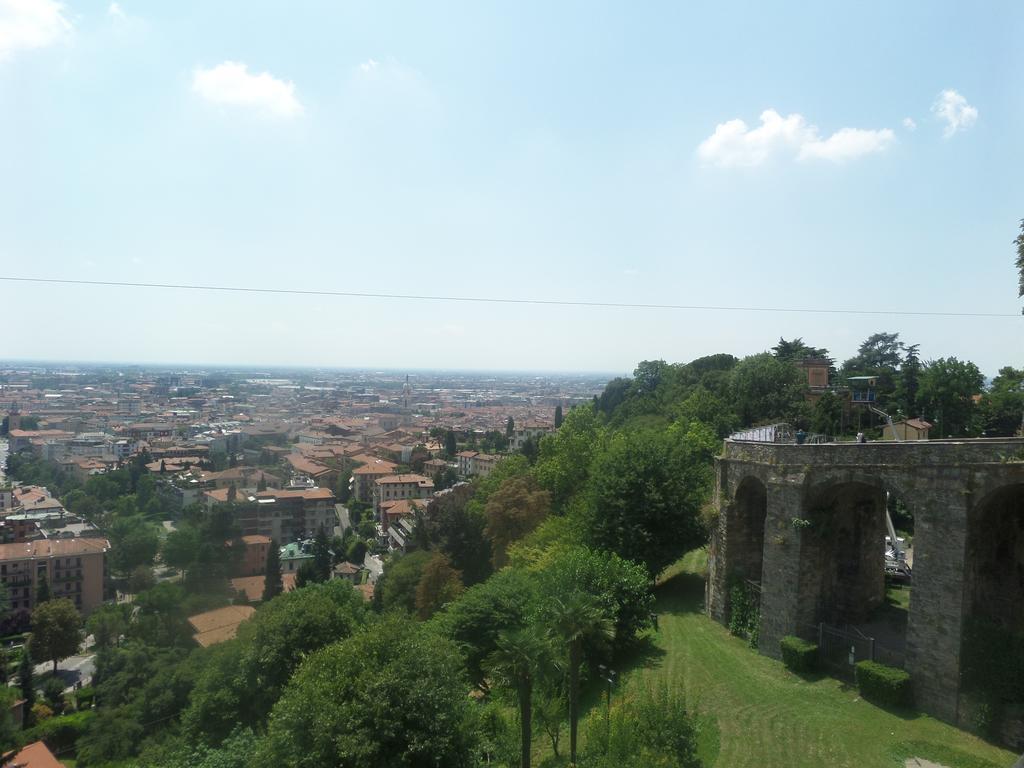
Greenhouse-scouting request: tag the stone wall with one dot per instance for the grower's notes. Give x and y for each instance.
(822, 540)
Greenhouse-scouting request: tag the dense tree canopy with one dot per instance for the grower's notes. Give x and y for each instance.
(56, 631)
(766, 389)
(646, 493)
(513, 510)
(392, 695)
(948, 387)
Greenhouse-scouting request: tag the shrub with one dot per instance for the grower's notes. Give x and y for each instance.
(885, 686)
(53, 692)
(84, 698)
(745, 612)
(651, 728)
(59, 733)
(799, 655)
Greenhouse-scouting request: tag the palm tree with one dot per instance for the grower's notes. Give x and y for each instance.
(514, 662)
(573, 620)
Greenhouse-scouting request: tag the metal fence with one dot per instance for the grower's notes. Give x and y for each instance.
(840, 648)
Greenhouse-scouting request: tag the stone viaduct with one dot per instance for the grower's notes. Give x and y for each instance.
(807, 522)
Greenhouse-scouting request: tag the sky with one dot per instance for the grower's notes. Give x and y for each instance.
(854, 156)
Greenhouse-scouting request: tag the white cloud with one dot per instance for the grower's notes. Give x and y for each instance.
(28, 24)
(369, 66)
(909, 124)
(954, 111)
(735, 144)
(115, 10)
(231, 83)
(848, 143)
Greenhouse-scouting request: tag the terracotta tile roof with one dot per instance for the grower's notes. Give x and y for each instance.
(299, 493)
(53, 548)
(253, 585)
(420, 479)
(220, 624)
(378, 467)
(34, 755)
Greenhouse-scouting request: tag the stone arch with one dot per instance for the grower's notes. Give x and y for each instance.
(994, 572)
(745, 523)
(842, 556)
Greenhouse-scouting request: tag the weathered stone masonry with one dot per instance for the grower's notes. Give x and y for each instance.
(815, 512)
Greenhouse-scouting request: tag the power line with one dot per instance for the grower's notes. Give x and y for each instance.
(499, 300)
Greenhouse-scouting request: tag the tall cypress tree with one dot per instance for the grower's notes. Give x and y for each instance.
(558, 416)
(26, 682)
(322, 558)
(272, 584)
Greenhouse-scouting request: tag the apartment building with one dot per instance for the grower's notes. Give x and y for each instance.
(365, 477)
(75, 568)
(285, 515)
(397, 487)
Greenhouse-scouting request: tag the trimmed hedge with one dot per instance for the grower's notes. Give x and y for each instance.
(882, 685)
(799, 655)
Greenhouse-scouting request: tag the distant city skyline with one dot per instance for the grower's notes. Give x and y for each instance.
(849, 157)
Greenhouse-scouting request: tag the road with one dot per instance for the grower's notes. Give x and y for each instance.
(74, 669)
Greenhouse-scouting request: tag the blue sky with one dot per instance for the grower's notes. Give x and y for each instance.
(578, 151)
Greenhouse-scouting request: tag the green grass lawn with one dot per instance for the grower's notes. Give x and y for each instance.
(756, 713)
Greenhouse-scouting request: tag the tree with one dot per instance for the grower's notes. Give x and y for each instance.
(42, 590)
(645, 485)
(827, 414)
(180, 547)
(397, 587)
(141, 579)
(563, 466)
(558, 416)
(450, 445)
(439, 585)
(795, 351)
(530, 449)
(1002, 407)
(391, 695)
(56, 631)
(512, 511)
(133, 542)
(323, 558)
(244, 684)
(766, 389)
(306, 575)
(26, 679)
(908, 383)
(517, 655)
(453, 527)
(573, 620)
(948, 387)
(232, 494)
(107, 624)
(356, 551)
(272, 584)
(621, 588)
(1019, 242)
(510, 427)
(474, 621)
(445, 478)
(880, 351)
